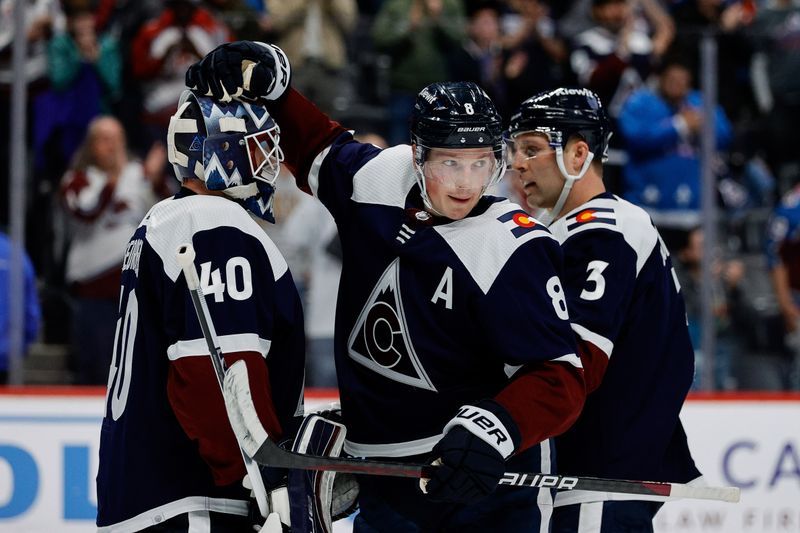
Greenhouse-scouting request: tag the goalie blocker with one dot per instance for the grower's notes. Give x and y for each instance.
(316, 498)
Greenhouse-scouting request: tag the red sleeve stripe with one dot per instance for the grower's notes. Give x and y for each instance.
(305, 132)
(544, 401)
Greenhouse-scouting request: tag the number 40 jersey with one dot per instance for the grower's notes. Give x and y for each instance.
(166, 446)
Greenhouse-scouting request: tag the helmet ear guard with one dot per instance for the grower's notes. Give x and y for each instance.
(231, 146)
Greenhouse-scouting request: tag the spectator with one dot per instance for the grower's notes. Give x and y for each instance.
(479, 59)
(32, 313)
(314, 33)
(247, 19)
(418, 35)
(776, 77)
(783, 261)
(616, 55)
(726, 292)
(105, 194)
(661, 128)
(726, 21)
(42, 17)
(161, 52)
(85, 76)
(124, 19)
(535, 52)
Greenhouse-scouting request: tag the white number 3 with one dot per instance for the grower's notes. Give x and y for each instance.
(556, 292)
(595, 270)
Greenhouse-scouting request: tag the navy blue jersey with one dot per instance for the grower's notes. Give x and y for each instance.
(166, 446)
(625, 301)
(433, 314)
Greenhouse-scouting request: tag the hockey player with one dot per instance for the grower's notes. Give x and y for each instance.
(169, 461)
(626, 310)
(452, 337)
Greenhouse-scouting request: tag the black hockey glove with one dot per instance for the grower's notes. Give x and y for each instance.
(245, 70)
(472, 454)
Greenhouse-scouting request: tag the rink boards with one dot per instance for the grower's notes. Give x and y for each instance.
(49, 439)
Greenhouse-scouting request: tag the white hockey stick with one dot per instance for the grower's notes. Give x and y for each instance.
(185, 256)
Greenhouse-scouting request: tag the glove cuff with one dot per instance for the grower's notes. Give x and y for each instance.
(282, 72)
(491, 423)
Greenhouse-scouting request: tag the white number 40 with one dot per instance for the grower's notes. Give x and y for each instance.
(237, 275)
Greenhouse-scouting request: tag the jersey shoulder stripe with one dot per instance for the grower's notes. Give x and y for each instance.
(170, 222)
(592, 215)
(611, 213)
(484, 243)
(386, 179)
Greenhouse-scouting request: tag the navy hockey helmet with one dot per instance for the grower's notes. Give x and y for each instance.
(562, 113)
(455, 115)
(559, 115)
(232, 146)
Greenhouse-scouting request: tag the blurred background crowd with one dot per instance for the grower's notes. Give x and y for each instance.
(103, 77)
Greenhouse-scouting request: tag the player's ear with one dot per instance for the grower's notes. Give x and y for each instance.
(578, 151)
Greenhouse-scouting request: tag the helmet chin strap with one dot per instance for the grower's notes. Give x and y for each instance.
(570, 180)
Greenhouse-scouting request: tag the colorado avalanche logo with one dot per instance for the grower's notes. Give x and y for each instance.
(380, 341)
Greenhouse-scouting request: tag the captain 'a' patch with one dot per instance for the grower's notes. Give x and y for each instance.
(380, 340)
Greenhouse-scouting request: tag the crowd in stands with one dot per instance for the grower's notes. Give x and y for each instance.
(103, 77)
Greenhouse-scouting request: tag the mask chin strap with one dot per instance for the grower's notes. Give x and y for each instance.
(570, 179)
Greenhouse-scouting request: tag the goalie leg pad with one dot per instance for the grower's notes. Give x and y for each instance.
(319, 498)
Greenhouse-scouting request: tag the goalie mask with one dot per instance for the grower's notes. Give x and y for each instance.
(233, 147)
(455, 115)
(559, 115)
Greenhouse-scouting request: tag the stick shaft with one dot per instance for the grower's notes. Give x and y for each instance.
(272, 455)
(185, 256)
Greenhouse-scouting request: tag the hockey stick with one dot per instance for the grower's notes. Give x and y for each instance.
(270, 454)
(185, 256)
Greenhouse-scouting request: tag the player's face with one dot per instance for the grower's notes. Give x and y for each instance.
(456, 178)
(534, 164)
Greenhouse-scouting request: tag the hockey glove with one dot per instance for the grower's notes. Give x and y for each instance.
(244, 70)
(472, 453)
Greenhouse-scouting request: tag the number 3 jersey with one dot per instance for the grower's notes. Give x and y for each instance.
(166, 445)
(628, 313)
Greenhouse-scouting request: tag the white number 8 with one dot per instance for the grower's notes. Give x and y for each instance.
(469, 109)
(556, 292)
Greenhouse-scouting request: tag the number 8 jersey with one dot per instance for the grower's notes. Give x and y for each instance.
(166, 446)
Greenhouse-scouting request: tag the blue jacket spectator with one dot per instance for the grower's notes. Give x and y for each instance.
(32, 312)
(662, 130)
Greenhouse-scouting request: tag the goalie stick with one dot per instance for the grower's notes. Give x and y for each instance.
(270, 454)
(185, 256)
